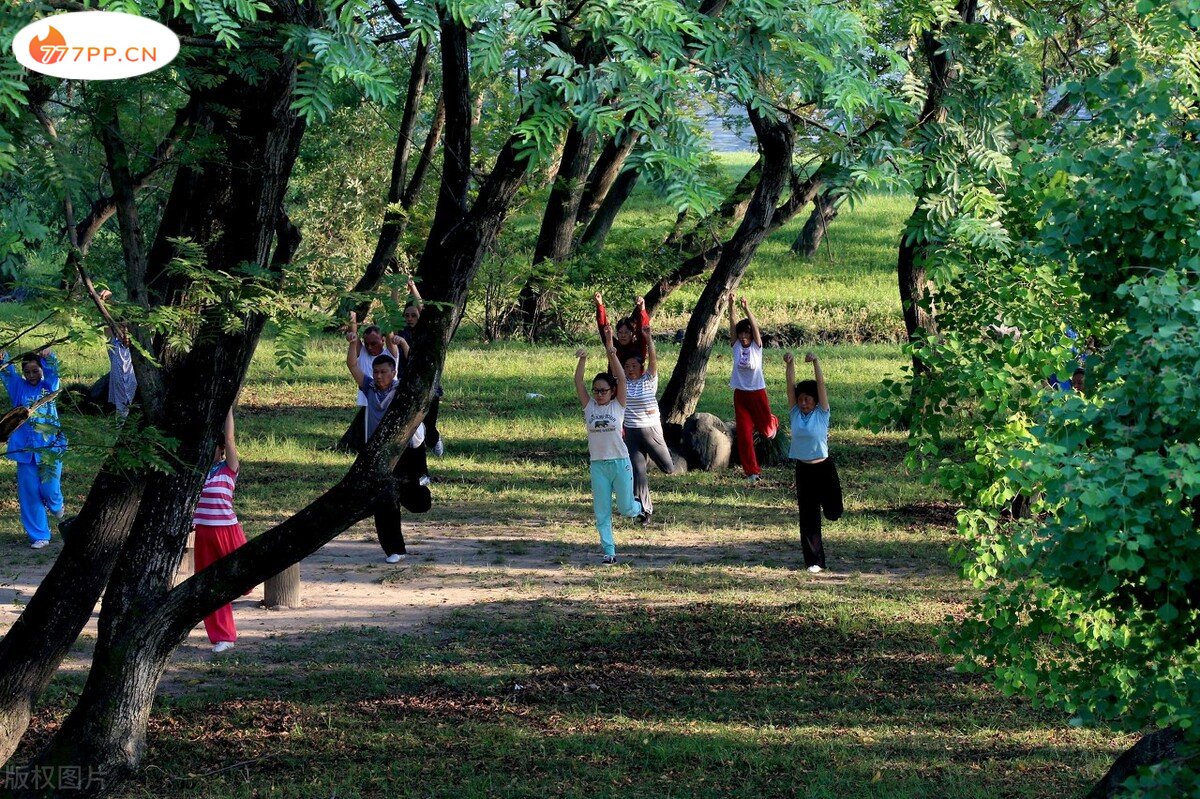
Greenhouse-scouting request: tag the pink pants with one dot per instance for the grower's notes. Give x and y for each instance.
(213, 543)
(752, 411)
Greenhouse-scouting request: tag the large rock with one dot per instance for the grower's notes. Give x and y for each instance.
(680, 462)
(707, 442)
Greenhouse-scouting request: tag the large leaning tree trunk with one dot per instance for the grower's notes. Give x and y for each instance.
(776, 142)
(1152, 748)
(916, 295)
(556, 235)
(608, 167)
(802, 193)
(597, 230)
(107, 726)
(716, 226)
(230, 206)
(34, 646)
(704, 239)
(825, 210)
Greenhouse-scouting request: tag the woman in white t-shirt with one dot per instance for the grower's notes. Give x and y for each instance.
(751, 407)
(604, 416)
(643, 425)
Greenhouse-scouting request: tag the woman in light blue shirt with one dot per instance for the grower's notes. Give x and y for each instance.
(817, 486)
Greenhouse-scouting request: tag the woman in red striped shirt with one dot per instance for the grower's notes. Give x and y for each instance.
(218, 531)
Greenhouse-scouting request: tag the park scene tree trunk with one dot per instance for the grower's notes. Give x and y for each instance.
(1014, 336)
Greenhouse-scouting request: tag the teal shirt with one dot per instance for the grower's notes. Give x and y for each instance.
(810, 435)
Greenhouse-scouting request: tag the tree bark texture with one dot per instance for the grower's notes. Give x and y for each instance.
(107, 727)
(776, 141)
(595, 234)
(802, 194)
(283, 589)
(1153, 747)
(230, 205)
(33, 648)
(557, 230)
(604, 173)
(808, 241)
(915, 292)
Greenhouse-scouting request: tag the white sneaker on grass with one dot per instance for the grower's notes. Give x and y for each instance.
(39, 544)
(395, 557)
(815, 569)
(222, 646)
(439, 448)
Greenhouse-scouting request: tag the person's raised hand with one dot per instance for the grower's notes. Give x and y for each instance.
(105, 295)
(731, 297)
(810, 358)
(640, 303)
(599, 299)
(742, 301)
(788, 357)
(412, 287)
(581, 354)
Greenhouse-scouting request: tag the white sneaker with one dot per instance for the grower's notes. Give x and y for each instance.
(752, 479)
(424, 481)
(439, 448)
(222, 646)
(395, 557)
(815, 569)
(39, 545)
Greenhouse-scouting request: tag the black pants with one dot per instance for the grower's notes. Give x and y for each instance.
(404, 490)
(818, 490)
(432, 436)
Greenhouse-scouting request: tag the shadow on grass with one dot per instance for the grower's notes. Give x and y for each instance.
(585, 699)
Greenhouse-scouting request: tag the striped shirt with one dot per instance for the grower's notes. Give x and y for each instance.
(641, 404)
(215, 508)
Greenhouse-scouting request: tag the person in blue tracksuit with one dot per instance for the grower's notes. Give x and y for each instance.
(36, 445)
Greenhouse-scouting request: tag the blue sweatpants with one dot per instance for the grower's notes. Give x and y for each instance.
(39, 488)
(611, 476)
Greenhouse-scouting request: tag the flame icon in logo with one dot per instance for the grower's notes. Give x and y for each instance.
(48, 50)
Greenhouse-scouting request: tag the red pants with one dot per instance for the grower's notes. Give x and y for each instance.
(752, 411)
(212, 544)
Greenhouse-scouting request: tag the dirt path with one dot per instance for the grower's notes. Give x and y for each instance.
(347, 584)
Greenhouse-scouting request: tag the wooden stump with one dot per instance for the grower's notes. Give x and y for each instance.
(283, 590)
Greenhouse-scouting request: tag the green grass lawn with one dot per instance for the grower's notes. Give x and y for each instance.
(708, 663)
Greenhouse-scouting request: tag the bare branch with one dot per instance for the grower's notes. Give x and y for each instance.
(103, 208)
